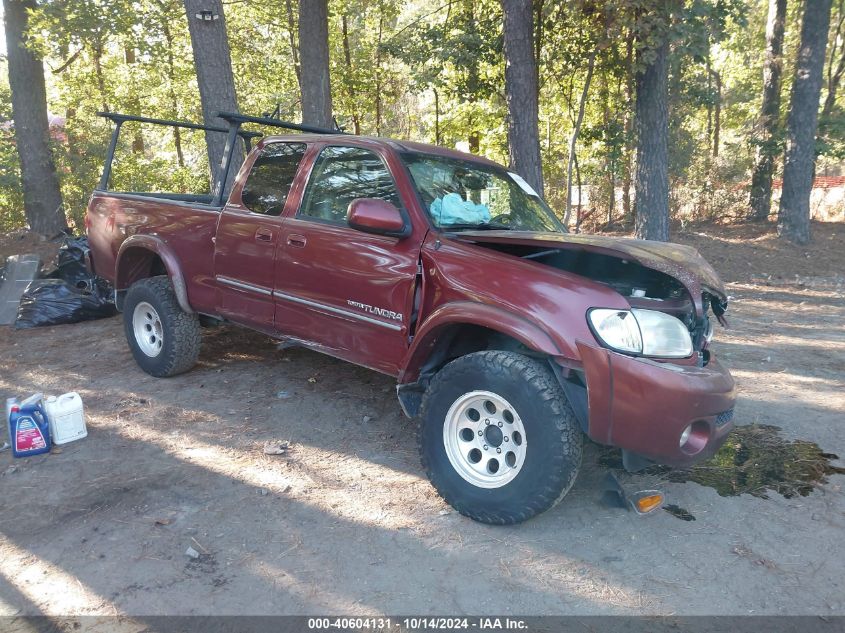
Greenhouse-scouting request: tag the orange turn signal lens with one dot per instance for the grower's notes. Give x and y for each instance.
(649, 503)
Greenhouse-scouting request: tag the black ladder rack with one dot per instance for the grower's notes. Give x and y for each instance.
(233, 118)
(119, 119)
(234, 131)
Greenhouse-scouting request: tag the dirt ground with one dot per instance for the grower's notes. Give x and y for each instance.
(345, 521)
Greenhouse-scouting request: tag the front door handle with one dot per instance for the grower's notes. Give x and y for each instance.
(297, 241)
(264, 235)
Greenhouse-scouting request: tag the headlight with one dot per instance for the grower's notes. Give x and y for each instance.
(617, 329)
(645, 332)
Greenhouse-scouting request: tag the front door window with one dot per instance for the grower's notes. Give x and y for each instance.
(341, 175)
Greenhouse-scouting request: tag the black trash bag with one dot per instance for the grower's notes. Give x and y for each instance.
(55, 301)
(71, 264)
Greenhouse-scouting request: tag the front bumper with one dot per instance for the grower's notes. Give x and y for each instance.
(643, 406)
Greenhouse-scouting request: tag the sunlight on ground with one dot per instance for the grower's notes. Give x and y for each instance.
(802, 384)
(741, 239)
(783, 342)
(6, 608)
(344, 495)
(339, 485)
(45, 584)
(278, 475)
(353, 503)
(319, 595)
(569, 576)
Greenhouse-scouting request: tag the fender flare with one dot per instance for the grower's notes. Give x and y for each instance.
(527, 332)
(171, 264)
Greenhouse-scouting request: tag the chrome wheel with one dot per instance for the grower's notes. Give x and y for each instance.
(484, 439)
(149, 333)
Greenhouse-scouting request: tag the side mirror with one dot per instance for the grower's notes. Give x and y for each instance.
(373, 215)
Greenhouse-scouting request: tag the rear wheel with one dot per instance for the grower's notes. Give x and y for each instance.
(498, 438)
(164, 339)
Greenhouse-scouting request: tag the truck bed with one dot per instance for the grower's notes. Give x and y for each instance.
(182, 224)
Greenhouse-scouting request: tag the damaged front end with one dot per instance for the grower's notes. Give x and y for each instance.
(668, 278)
(664, 404)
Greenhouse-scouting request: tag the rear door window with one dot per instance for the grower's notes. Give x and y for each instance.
(271, 177)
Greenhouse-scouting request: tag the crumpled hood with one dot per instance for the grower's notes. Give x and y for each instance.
(684, 263)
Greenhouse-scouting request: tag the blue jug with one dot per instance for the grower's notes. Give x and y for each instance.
(29, 429)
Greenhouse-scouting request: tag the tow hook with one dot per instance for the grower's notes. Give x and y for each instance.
(641, 501)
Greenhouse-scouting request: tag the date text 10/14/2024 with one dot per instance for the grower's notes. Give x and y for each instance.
(417, 624)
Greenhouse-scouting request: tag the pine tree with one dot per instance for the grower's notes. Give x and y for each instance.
(41, 193)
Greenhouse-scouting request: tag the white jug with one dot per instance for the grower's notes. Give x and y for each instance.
(67, 421)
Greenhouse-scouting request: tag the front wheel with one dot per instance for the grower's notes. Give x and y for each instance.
(164, 339)
(498, 439)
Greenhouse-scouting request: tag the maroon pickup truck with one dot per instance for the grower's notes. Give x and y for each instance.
(509, 338)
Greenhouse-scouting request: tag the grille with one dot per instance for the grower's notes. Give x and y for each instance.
(724, 417)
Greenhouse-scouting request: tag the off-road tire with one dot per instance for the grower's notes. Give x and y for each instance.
(553, 446)
(182, 334)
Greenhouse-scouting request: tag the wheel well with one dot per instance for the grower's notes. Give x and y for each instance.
(135, 264)
(461, 339)
(157, 266)
(454, 341)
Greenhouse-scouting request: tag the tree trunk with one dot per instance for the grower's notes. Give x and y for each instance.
(627, 167)
(767, 142)
(521, 89)
(474, 140)
(378, 67)
(436, 117)
(609, 162)
(314, 62)
(651, 188)
(573, 140)
(473, 80)
(802, 123)
(213, 64)
(347, 54)
(171, 90)
(294, 49)
(837, 54)
(709, 71)
(538, 38)
(98, 71)
(579, 216)
(41, 194)
(717, 112)
(133, 102)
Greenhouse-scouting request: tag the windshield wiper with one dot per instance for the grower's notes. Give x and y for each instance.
(477, 227)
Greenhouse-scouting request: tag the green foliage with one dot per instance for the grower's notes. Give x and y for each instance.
(11, 195)
(428, 70)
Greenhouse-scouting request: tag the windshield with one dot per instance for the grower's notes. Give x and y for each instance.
(464, 195)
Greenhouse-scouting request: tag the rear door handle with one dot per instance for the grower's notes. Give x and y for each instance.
(264, 235)
(297, 241)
